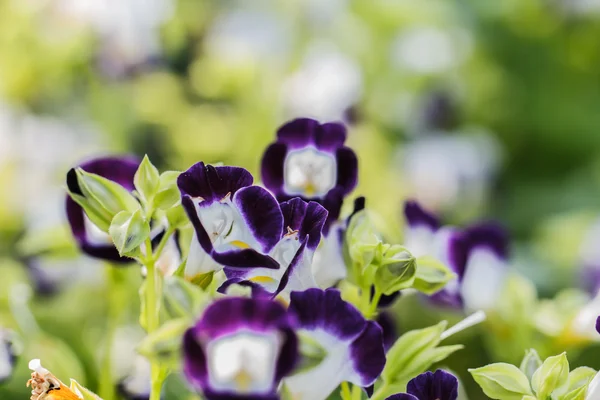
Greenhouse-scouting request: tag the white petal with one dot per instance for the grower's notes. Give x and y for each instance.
(593, 391)
(420, 241)
(484, 279)
(170, 258)
(328, 265)
(6, 366)
(244, 362)
(198, 261)
(310, 172)
(584, 323)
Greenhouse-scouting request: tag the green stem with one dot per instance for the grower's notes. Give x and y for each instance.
(113, 289)
(152, 317)
(374, 302)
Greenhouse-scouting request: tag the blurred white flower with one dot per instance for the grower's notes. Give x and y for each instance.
(445, 169)
(327, 84)
(430, 50)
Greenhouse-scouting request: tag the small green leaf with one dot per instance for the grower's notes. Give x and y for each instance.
(502, 381)
(168, 194)
(113, 197)
(575, 394)
(407, 349)
(202, 280)
(146, 180)
(128, 231)
(432, 275)
(551, 377)
(83, 392)
(531, 362)
(579, 379)
(165, 342)
(177, 216)
(423, 361)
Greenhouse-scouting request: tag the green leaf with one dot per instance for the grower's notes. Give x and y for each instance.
(113, 197)
(168, 194)
(146, 180)
(83, 392)
(531, 362)
(502, 381)
(552, 376)
(575, 394)
(579, 380)
(202, 280)
(407, 349)
(427, 358)
(396, 270)
(128, 231)
(165, 342)
(182, 298)
(177, 216)
(432, 275)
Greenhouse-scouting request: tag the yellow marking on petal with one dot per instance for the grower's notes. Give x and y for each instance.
(310, 189)
(240, 244)
(262, 279)
(243, 380)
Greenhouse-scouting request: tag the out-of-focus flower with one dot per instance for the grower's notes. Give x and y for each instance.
(478, 255)
(446, 170)
(240, 349)
(589, 255)
(8, 356)
(89, 237)
(430, 50)
(236, 224)
(354, 345)
(438, 385)
(309, 160)
(137, 385)
(325, 87)
(303, 223)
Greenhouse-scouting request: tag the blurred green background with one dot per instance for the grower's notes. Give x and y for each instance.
(479, 109)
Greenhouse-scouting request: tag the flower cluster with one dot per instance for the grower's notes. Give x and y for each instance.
(265, 291)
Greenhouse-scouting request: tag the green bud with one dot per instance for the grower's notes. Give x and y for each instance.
(146, 180)
(396, 271)
(431, 275)
(83, 392)
(531, 362)
(551, 377)
(502, 381)
(362, 239)
(128, 231)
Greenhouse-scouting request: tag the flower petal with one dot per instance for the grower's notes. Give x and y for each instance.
(402, 396)
(298, 133)
(347, 169)
(262, 215)
(440, 385)
(213, 183)
(272, 167)
(368, 355)
(417, 216)
(330, 136)
(306, 218)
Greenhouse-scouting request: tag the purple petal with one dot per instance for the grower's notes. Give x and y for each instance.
(456, 250)
(388, 327)
(440, 385)
(306, 218)
(333, 204)
(359, 204)
(347, 169)
(402, 396)
(194, 360)
(368, 355)
(262, 214)
(598, 325)
(118, 169)
(445, 298)
(325, 309)
(213, 183)
(487, 235)
(590, 278)
(417, 216)
(298, 133)
(272, 167)
(330, 136)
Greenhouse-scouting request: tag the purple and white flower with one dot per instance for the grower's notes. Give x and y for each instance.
(438, 385)
(309, 160)
(91, 239)
(240, 349)
(353, 344)
(97, 243)
(303, 224)
(236, 225)
(8, 356)
(477, 255)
